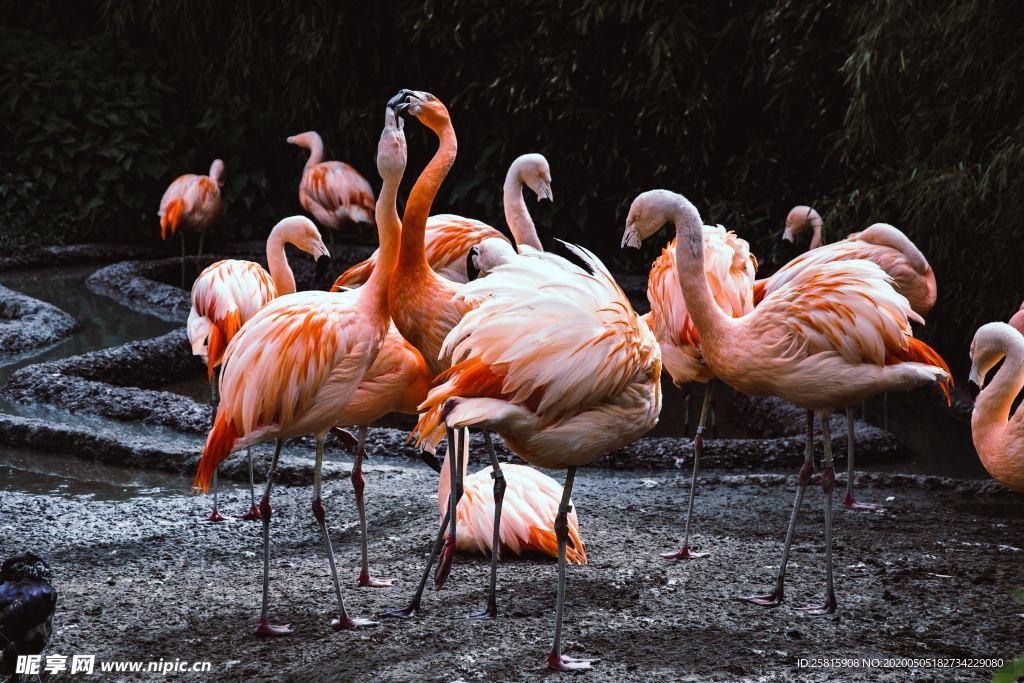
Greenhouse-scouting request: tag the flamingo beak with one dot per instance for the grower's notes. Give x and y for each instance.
(544, 191)
(787, 235)
(322, 263)
(976, 378)
(631, 238)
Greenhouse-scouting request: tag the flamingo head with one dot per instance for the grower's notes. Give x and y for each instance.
(648, 213)
(799, 219)
(217, 172)
(424, 106)
(488, 255)
(301, 232)
(307, 140)
(535, 172)
(392, 152)
(989, 346)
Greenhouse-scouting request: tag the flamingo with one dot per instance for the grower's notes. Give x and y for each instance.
(885, 246)
(449, 238)
(334, 192)
(836, 334)
(296, 366)
(552, 357)
(729, 268)
(191, 202)
(998, 435)
(229, 292)
(1017, 321)
(801, 218)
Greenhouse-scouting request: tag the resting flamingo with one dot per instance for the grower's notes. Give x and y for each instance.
(191, 202)
(998, 435)
(297, 365)
(882, 244)
(449, 238)
(334, 192)
(729, 268)
(836, 334)
(229, 292)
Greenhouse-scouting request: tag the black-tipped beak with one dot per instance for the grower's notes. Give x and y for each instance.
(431, 460)
(472, 272)
(401, 95)
(322, 263)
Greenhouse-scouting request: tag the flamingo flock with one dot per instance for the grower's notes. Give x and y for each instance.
(453, 322)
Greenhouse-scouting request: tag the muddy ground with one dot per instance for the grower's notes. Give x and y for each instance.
(144, 578)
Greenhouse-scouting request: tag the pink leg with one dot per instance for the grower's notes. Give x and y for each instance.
(848, 502)
(358, 484)
(215, 515)
(265, 628)
(828, 480)
(458, 439)
(684, 552)
(254, 512)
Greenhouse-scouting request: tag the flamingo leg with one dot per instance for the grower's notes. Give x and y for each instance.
(556, 660)
(364, 580)
(828, 479)
(444, 565)
(215, 515)
(182, 233)
(265, 628)
(698, 448)
(687, 392)
(714, 413)
(775, 598)
(199, 252)
(491, 611)
(848, 502)
(344, 621)
(413, 608)
(253, 514)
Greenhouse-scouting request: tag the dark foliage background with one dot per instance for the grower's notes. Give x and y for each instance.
(905, 112)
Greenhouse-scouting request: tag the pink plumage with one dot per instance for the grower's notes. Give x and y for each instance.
(192, 202)
(332, 191)
(999, 435)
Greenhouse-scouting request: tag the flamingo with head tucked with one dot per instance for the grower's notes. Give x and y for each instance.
(228, 293)
(998, 435)
(332, 191)
(191, 202)
(448, 238)
(834, 335)
(296, 367)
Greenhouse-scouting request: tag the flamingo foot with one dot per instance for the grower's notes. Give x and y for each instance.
(215, 516)
(557, 662)
(265, 628)
(773, 599)
(444, 563)
(489, 612)
(367, 581)
(350, 623)
(684, 553)
(252, 515)
(850, 504)
(829, 607)
(413, 610)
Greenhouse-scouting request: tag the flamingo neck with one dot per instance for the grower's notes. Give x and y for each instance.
(316, 151)
(389, 226)
(707, 316)
(517, 216)
(992, 408)
(816, 232)
(277, 262)
(412, 254)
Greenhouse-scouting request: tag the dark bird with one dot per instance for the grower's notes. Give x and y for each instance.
(27, 601)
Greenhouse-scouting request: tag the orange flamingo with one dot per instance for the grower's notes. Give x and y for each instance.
(229, 292)
(552, 357)
(893, 252)
(191, 202)
(449, 238)
(836, 334)
(334, 192)
(296, 367)
(998, 435)
(729, 268)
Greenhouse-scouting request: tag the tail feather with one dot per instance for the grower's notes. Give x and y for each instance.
(221, 332)
(545, 541)
(470, 377)
(355, 276)
(219, 445)
(919, 352)
(171, 217)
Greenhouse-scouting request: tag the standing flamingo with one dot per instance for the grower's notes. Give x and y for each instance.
(449, 238)
(835, 335)
(729, 268)
(552, 357)
(334, 192)
(998, 435)
(893, 252)
(229, 292)
(191, 202)
(297, 365)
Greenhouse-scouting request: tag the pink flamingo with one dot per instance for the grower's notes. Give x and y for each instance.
(296, 367)
(552, 357)
(801, 218)
(893, 252)
(191, 202)
(228, 293)
(1017, 321)
(334, 192)
(449, 238)
(998, 435)
(836, 334)
(729, 268)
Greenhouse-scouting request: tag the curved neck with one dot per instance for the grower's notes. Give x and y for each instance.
(815, 232)
(316, 151)
(389, 227)
(517, 216)
(277, 262)
(413, 252)
(992, 408)
(707, 316)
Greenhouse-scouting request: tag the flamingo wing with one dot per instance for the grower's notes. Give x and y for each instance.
(337, 187)
(448, 239)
